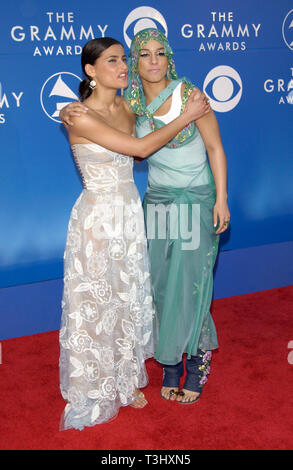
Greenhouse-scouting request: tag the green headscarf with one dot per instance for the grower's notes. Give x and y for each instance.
(134, 94)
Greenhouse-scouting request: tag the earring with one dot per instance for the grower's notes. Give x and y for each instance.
(92, 84)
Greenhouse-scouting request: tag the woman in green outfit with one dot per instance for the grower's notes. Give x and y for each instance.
(184, 198)
(185, 211)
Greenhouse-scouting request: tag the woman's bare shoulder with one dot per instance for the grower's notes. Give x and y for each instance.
(86, 118)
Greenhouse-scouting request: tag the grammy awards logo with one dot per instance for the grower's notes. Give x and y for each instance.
(9, 100)
(59, 90)
(282, 87)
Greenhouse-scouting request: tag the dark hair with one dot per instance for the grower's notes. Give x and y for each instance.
(91, 51)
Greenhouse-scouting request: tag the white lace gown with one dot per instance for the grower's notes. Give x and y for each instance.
(107, 308)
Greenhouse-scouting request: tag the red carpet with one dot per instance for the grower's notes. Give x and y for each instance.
(247, 403)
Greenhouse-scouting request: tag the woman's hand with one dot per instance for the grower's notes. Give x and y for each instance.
(221, 216)
(72, 109)
(197, 105)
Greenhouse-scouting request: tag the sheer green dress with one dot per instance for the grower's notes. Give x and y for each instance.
(181, 189)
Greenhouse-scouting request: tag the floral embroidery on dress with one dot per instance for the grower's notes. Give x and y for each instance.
(107, 308)
(205, 367)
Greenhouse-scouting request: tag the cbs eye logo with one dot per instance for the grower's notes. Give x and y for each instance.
(141, 18)
(223, 86)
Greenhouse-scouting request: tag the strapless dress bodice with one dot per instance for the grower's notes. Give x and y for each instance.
(100, 168)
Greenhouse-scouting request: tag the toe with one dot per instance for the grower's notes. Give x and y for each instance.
(166, 393)
(186, 396)
(140, 402)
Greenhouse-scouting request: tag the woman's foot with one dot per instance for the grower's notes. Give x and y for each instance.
(198, 369)
(171, 379)
(139, 400)
(187, 397)
(169, 393)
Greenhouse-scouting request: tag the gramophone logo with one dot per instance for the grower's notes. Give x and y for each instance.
(57, 91)
(287, 30)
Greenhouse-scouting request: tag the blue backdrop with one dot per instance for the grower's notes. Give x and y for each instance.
(240, 53)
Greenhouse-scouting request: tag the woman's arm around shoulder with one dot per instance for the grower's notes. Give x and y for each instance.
(91, 128)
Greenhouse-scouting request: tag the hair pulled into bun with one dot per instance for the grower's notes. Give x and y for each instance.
(91, 51)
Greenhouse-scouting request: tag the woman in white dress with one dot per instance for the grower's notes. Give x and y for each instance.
(106, 332)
